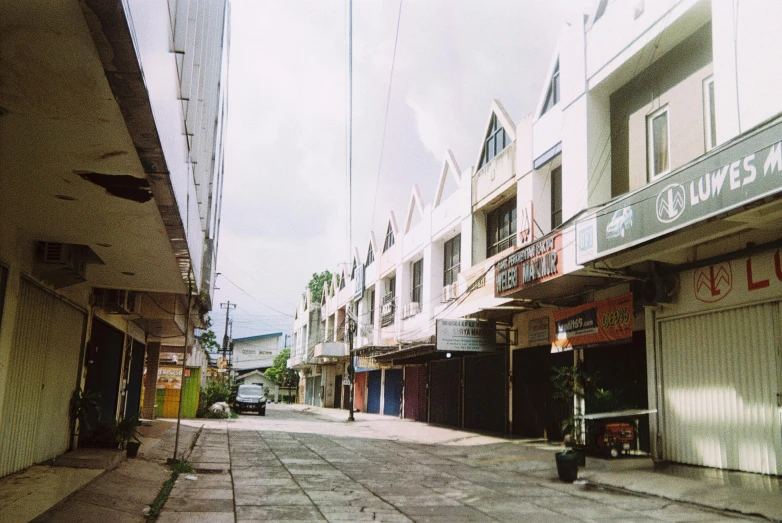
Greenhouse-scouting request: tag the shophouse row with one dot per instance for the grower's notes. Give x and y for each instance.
(630, 225)
(111, 167)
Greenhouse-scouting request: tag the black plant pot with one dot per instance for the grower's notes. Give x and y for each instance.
(580, 452)
(567, 466)
(132, 448)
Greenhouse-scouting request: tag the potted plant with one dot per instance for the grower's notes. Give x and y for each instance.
(84, 409)
(571, 383)
(126, 434)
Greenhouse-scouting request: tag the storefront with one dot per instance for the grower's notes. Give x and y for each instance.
(415, 387)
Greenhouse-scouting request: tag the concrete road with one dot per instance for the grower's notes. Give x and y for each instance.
(299, 465)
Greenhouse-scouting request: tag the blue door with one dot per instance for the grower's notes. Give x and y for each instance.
(392, 394)
(373, 391)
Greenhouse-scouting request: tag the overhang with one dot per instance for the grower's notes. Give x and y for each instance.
(408, 353)
(330, 349)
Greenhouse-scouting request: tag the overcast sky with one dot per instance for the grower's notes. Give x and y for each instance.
(284, 206)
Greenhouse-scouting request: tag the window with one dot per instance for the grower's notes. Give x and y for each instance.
(353, 271)
(391, 290)
(451, 263)
(418, 279)
(709, 114)
(552, 96)
(496, 141)
(370, 256)
(658, 143)
(341, 281)
(501, 228)
(556, 197)
(372, 306)
(389, 238)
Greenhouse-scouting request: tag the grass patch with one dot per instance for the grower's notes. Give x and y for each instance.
(178, 467)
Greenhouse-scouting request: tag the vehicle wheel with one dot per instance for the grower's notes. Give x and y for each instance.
(262, 412)
(614, 452)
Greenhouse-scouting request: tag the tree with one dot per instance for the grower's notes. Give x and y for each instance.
(316, 285)
(279, 372)
(208, 341)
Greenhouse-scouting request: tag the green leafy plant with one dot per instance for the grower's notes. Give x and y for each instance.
(573, 383)
(213, 392)
(127, 430)
(84, 407)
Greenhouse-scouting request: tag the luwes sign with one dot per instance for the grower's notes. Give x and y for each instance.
(466, 335)
(730, 177)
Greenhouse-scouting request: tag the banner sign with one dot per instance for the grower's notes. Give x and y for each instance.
(534, 263)
(594, 323)
(358, 282)
(538, 331)
(730, 177)
(169, 378)
(466, 335)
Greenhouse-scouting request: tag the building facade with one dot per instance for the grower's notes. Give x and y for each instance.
(627, 226)
(111, 133)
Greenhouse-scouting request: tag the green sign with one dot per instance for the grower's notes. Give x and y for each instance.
(732, 176)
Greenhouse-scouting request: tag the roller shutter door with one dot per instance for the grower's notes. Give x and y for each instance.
(374, 383)
(392, 392)
(445, 392)
(415, 392)
(718, 395)
(484, 392)
(44, 363)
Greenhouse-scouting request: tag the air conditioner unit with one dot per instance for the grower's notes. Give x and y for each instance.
(413, 308)
(60, 264)
(449, 292)
(115, 301)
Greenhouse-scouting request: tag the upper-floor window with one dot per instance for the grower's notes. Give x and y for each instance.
(372, 306)
(341, 281)
(353, 271)
(452, 259)
(391, 288)
(496, 140)
(389, 238)
(658, 143)
(418, 281)
(709, 114)
(370, 256)
(552, 96)
(556, 197)
(501, 228)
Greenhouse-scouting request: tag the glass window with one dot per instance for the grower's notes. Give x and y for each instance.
(418, 280)
(710, 115)
(658, 143)
(389, 238)
(372, 307)
(353, 271)
(556, 197)
(342, 282)
(552, 96)
(496, 141)
(501, 228)
(452, 260)
(370, 256)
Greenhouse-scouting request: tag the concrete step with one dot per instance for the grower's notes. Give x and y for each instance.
(87, 458)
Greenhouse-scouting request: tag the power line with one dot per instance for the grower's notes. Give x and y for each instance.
(254, 298)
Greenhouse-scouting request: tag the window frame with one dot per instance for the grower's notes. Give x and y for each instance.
(416, 290)
(709, 115)
(372, 306)
(508, 208)
(389, 242)
(451, 268)
(370, 256)
(553, 95)
(556, 195)
(495, 132)
(650, 151)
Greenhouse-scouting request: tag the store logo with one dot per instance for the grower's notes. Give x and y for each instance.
(670, 203)
(713, 283)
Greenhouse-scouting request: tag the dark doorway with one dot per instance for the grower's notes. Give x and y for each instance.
(338, 391)
(415, 392)
(103, 367)
(484, 392)
(445, 392)
(135, 378)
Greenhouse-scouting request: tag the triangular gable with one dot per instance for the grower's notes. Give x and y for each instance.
(504, 119)
(554, 65)
(371, 248)
(449, 166)
(415, 203)
(356, 262)
(324, 294)
(394, 231)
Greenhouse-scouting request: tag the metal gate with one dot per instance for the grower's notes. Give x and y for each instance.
(392, 392)
(104, 366)
(415, 392)
(309, 387)
(719, 381)
(485, 395)
(338, 391)
(374, 379)
(359, 392)
(316, 394)
(44, 363)
(445, 394)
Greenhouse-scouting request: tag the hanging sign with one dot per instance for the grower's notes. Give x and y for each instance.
(594, 323)
(534, 263)
(466, 335)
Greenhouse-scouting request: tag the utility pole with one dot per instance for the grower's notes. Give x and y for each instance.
(351, 367)
(286, 340)
(227, 306)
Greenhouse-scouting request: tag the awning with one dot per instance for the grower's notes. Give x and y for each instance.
(413, 351)
(474, 306)
(373, 350)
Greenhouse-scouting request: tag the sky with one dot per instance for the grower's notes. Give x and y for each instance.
(285, 194)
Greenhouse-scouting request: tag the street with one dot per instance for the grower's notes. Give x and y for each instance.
(300, 465)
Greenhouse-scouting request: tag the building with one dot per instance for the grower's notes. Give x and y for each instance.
(628, 225)
(255, 352)
(111, 164)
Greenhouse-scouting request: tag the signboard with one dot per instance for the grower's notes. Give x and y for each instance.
(538, 331)
(358, 282)
(594, 323)
(534, 263)
(466, 335)
(730, 177)
(169, 378)
(387, 310)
